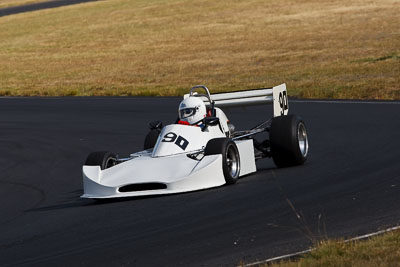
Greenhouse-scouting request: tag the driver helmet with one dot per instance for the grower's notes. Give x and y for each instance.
(192, 110)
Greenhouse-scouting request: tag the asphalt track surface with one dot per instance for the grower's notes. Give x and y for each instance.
(349, 186)
(38, 6)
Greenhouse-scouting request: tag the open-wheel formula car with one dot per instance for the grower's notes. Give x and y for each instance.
(202, 149)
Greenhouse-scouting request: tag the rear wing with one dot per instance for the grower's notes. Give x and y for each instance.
(276, 95)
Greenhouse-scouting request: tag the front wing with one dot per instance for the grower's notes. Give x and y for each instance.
(153, 176)
(146, 175)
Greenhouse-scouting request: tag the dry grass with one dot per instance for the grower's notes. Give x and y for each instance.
(378, 251)
(10, 3)
(321, 49)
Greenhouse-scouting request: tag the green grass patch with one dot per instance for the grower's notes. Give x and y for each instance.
(372, 60)
(321, 49)
(381, 250)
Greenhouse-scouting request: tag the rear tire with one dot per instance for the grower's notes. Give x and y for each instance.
(230, 157)
(289, 142)
(104, 159)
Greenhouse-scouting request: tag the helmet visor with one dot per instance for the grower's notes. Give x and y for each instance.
(187, 112)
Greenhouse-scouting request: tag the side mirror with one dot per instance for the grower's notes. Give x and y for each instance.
(211, 121)
(156, 125)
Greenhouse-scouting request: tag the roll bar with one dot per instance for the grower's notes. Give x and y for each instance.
(207, 95)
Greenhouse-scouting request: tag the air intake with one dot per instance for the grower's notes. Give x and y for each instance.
(142, 187)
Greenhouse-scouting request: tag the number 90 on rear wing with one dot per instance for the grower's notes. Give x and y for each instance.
(276, 95)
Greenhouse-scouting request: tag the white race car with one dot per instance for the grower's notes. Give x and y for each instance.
(201, 150)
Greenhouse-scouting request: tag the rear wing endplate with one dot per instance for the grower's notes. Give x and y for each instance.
(276, 95)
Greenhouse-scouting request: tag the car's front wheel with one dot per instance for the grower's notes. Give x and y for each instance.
(230, 157)
(151, 139)
(104, 159)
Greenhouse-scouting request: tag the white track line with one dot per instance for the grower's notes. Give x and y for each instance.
(279, 258)
(373, 234)
(311, 249)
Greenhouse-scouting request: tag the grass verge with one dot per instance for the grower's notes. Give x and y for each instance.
(12, 3)
(383, 250)
(321, 49)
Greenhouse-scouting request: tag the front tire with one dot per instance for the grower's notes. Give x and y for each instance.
(151, 139)
(230, 157)
(104, 159)
(289, 141)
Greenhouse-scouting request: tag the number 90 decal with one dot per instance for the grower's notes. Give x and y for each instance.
(179, 140)
(283, 102)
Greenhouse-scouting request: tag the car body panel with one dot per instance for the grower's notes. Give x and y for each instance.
(177, 139)
(179, 173)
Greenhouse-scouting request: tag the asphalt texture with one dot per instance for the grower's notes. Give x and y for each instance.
(38, 6)
(349, 186)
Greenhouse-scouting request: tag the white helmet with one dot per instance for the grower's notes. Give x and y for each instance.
(192, 110)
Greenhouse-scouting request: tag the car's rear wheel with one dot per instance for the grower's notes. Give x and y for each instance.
(104, 159)
(230, 157)
(289, 141)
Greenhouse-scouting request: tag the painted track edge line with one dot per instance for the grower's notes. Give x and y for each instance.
(288, 256)
(283, 257)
